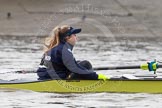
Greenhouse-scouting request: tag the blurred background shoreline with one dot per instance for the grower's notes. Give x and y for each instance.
(123, 18)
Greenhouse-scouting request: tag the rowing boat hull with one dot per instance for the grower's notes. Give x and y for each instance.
(82, 86)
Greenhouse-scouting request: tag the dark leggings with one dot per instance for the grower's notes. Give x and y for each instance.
(86, 64)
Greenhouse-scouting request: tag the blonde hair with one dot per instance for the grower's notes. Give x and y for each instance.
(54, 39)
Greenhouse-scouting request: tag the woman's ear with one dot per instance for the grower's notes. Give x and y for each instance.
(68, 37)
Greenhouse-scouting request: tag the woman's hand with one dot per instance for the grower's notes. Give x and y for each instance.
(103, 77)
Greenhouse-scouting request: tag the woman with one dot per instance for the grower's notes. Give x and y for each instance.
(58, 61)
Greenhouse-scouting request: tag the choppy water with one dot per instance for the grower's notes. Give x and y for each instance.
(24, 53)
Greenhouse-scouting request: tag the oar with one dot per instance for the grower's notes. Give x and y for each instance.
(116, 67)
(151, 66)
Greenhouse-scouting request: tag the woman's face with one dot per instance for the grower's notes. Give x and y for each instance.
(72, 39)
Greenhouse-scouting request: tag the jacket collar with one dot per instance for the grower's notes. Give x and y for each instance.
(69, 45)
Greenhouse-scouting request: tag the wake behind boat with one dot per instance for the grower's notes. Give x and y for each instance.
(119, 84)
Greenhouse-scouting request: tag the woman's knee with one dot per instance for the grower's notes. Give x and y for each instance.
(86, 64)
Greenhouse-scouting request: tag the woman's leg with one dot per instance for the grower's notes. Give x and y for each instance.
(86, 64)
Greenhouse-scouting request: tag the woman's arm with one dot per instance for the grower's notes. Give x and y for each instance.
(70, 62)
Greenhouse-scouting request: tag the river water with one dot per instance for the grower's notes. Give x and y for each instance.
(24, 53)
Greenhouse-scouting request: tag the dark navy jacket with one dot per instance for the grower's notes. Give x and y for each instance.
(59, 62)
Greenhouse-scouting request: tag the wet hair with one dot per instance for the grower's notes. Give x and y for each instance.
(56, 37)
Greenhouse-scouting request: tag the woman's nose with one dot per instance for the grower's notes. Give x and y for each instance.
(77, 38)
